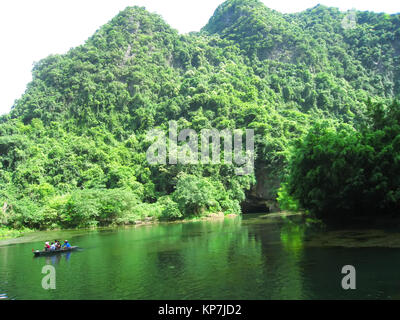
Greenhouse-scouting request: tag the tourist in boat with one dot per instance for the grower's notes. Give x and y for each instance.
(46, 246)
(66, 244)
(52, 247)
(58, 244)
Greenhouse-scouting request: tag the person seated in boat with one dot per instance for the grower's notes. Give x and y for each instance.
(46, 246)
(66, 244)
(52, 247)
(58, 244)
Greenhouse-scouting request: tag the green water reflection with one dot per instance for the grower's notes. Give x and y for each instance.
(235, 258)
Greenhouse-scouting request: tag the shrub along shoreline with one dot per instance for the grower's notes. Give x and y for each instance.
(86, 208)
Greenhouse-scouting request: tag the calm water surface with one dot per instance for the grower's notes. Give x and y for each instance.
(235, 258)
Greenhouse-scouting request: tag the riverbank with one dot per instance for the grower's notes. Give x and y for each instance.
(361, 233)
(356, 238)
(7, 235)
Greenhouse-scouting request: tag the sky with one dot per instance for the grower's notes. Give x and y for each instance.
(31, 30)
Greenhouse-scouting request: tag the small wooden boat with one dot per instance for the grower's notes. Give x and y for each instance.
(39, 253)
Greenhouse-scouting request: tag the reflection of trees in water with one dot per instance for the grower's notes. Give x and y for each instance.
(281, 246)
(215, 260)
(323, 273)
(170, 262)
(377, 272)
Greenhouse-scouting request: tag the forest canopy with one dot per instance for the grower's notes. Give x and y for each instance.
(319, 95)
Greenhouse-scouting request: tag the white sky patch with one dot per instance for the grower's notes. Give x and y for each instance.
(31, 30)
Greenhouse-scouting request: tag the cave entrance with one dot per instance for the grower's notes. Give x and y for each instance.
(254, 205)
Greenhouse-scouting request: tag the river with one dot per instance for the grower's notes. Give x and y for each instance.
(254, 257)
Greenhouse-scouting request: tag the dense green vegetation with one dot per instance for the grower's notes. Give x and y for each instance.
(73, 148)
(340, 173)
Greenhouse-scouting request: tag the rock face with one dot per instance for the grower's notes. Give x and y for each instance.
(262, 196)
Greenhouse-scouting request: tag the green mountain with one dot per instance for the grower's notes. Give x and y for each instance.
(73, 148)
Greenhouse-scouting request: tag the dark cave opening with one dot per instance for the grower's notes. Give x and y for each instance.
(254, 205)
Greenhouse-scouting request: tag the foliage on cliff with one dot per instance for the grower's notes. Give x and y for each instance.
(340, 173)
(73, 148)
